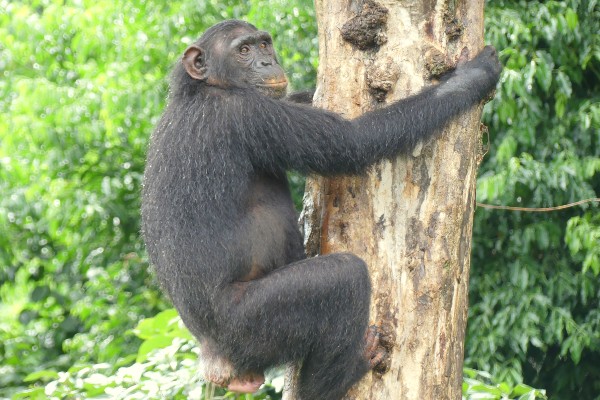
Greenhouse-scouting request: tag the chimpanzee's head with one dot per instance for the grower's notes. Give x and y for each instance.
(236, 54)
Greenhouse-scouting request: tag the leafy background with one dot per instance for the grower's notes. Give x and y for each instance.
(82, 85)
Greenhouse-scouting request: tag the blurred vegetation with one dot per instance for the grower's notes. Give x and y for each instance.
(82, 85)
(535, 287)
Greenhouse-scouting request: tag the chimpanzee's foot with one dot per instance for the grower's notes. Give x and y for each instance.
(214, 367)
(249, 383)
(218, 370)
(222, 376)
(374, 353)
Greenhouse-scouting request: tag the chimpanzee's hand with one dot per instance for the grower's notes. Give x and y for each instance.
(477, 77)
(486, 60)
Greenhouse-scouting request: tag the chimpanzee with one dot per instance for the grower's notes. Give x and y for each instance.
(219, 222)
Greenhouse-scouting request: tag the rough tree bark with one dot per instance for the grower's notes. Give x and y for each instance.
(410, 219)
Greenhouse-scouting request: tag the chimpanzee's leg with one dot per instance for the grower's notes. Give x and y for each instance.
(316, 378)
(314, 310)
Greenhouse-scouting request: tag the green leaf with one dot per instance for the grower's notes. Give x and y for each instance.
(560, 104)
(157, 325)
(43, 375)
(31, 394)
(504, 388)
(543, 72)
(155, 343)
(575, 350)
(521, 389)
(565, 87)
(572, 19)
(40, 293)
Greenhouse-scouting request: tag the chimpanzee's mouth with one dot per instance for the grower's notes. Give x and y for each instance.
(273, 84)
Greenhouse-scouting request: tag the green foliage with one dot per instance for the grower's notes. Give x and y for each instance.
(83, 83)
(478, 385)
(166, 368)
(72, 144)
(535, 285)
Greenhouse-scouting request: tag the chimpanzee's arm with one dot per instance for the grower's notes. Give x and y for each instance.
(279, 134)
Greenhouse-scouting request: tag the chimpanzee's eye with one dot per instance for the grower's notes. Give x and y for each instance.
(245, 49)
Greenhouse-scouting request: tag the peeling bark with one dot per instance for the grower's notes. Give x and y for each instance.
(410, 218)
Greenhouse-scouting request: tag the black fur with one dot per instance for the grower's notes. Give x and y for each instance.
(304, 97)
(220, 225)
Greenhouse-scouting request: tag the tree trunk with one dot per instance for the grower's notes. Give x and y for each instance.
(410, 219)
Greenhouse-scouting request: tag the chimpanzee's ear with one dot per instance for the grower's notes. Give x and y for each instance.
(194, 61)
